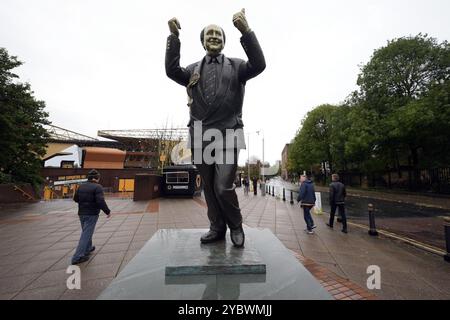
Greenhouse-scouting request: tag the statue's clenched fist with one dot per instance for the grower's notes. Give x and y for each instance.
(240, 21)
(174, 26)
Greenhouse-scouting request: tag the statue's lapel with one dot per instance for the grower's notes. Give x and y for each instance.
(195, 87)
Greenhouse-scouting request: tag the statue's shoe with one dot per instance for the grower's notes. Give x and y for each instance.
(237, 237)
(212, 236)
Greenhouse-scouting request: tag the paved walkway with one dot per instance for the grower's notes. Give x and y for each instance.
(37, 241)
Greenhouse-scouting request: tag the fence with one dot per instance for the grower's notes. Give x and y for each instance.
(436, 180)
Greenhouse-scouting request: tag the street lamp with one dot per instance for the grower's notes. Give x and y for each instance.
(262, 170)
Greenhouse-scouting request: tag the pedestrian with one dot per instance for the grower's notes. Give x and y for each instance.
(91, 200)
(307, 197)
(337, 201)
(246, 186)
(255, 185)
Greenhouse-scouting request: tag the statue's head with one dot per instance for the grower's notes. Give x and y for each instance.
(213, 39)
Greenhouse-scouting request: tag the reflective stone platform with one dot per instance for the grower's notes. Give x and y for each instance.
(145, 275)
(190, 257)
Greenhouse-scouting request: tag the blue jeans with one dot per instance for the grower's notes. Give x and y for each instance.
(308, 218)
(88, 223)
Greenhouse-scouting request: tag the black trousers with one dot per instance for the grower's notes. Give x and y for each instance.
(341, 208)
(219, 188)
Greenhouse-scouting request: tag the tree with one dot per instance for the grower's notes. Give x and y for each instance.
(22, 135)
(399, 116)
(394, 89)
(313, 142)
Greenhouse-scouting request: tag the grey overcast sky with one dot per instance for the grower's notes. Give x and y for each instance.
(99, 64)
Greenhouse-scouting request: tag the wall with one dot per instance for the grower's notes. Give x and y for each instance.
(109, 178)
(9, 195)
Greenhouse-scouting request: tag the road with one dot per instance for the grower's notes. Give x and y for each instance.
(421, 223)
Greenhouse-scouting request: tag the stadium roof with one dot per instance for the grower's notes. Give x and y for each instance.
(63, 135)
(174, 134)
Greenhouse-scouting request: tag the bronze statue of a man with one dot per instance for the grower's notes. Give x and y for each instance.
(215, 87)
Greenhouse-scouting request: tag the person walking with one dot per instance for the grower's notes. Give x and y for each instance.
(307, 199)
(91, 200)
(246, 186)
(255, 185)
(337, 201)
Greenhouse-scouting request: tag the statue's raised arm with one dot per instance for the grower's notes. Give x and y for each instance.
(173, 69)
(256, 62)
(174, 26)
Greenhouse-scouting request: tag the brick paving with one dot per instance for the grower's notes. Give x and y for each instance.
(341, 288)
(37, 241)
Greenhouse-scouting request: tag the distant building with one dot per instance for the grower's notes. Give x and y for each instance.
(284, 162)
(126, 153)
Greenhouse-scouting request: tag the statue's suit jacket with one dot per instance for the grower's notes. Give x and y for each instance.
(226, 111)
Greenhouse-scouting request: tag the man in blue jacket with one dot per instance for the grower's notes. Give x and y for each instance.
(307, 197)
(91, 200)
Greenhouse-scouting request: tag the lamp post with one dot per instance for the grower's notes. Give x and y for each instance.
(248, 156)
(248, 159)
(263, 181)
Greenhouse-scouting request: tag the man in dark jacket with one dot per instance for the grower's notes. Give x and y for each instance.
(337, 200)
(91, 200)
(307, 197)
(215, 86)
(255, 185)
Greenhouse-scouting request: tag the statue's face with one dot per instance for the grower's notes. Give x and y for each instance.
(213, 40)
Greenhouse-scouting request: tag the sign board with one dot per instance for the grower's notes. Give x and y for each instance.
(180, 187)
(65, 182)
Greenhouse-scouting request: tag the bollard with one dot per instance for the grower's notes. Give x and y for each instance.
(447, 237)
(373, 229)
(284, 195)
(292, 198)
(263, 189)
(273, 191)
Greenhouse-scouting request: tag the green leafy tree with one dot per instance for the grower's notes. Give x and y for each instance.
(394, 89)
(399, 116)
(22, 135)
(313, 143)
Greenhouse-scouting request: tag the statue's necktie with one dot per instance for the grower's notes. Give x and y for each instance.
(210, 84)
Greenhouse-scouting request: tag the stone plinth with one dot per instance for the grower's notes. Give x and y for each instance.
(145, 275)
